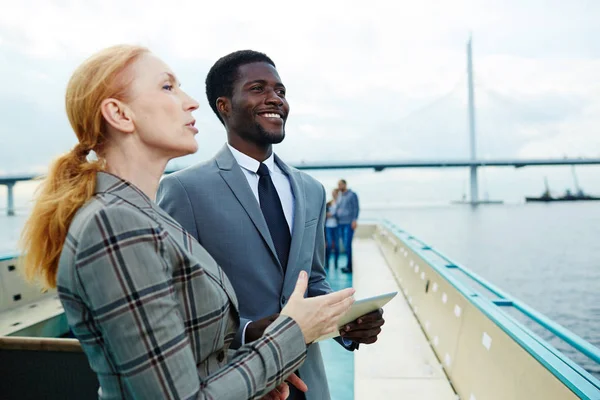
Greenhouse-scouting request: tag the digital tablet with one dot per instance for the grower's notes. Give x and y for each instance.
(360, 308)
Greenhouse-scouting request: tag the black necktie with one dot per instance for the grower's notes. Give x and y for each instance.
(273, 213)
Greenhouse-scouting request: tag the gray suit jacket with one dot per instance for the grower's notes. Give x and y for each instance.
(214, 202)
(153, 311)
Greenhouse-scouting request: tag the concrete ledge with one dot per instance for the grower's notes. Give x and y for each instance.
(401, 364)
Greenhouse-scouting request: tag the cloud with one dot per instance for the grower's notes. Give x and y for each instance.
(383, 80)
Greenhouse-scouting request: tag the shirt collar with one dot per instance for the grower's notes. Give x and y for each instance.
(250, 163)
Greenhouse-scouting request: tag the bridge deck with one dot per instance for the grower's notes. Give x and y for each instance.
(401, 364)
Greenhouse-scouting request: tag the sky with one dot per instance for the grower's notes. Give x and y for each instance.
(377, 80)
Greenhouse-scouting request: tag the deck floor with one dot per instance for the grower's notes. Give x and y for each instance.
(339, 362)
(401, 364)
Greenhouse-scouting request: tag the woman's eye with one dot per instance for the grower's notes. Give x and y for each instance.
(168, 87)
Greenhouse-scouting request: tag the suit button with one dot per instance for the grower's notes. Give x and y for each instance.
(283, 300)
(221, 356)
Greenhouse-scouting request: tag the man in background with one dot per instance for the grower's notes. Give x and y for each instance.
(347, 214)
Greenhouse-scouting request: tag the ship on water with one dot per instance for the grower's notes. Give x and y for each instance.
(547, 197)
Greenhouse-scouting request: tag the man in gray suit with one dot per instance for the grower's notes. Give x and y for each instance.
(262, 220)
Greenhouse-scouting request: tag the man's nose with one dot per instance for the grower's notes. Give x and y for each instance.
(273, 98)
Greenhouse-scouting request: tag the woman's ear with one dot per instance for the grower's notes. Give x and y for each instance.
(117, 115)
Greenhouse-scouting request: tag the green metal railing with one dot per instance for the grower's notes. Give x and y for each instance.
(570, 373)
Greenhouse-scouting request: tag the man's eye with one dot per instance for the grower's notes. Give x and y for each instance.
(256, 88)
(168, 87)
(281, 93)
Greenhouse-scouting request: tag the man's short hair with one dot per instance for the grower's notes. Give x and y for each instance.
(343, 181)
(223, 74)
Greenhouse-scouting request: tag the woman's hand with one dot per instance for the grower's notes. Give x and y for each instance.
(282, 391)
(317, 316)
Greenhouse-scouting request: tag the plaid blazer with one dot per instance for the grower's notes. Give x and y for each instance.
(153, 311)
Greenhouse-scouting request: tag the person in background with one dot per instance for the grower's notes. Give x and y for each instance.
(347, 214)
(331, 231)
(154, 313)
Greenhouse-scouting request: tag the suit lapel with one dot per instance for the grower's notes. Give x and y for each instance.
(299, 217)
(236, 181)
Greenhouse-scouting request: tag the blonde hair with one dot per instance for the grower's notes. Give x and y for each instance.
(71, 178)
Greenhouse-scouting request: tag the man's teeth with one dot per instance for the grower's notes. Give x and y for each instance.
(272, 115)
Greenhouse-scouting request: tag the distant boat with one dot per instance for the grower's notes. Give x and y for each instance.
(546, 197)
(567, 197)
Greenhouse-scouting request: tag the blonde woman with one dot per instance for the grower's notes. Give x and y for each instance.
(154, 313)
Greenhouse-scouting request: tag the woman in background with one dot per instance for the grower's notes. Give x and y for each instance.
(331, 231)
(153, 312)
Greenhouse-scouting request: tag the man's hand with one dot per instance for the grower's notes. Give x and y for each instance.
(256, 329)
(353, 225)
(364, 329)
(282, 391)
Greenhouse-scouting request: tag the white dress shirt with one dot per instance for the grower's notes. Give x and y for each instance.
(282, 184)
(280, 180)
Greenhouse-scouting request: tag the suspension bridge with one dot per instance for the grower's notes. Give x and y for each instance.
(472, 162)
